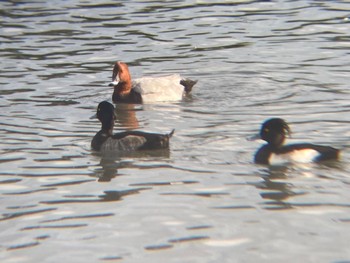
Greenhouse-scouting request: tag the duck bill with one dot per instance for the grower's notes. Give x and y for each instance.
(115, 81)
(254, 137)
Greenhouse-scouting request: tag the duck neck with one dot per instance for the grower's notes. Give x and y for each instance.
(123, 88)
(277, 141)
(274, 147)
(107, 127)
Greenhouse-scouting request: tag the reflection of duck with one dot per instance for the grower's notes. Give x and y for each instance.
(274, 184)
(106, 170)
(147, 89)
(274, 132)
(126, 116)
(105, 140)
(275, 189)
(109, 165)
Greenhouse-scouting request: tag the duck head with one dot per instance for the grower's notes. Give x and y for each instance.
(274, 131)
(106, 115)
(121, 79)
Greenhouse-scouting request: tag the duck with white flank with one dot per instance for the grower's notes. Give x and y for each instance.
(274, 132)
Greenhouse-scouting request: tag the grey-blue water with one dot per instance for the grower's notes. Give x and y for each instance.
(204, 200)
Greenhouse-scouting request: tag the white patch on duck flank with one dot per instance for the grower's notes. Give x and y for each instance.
(128, 143)
(162, 88)
(297, 156)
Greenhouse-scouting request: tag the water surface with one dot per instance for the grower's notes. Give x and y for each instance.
(203, 200)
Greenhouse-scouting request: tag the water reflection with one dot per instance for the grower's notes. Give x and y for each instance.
(107, 170)
(107, 196)
(126, 116)
(113, 161)
(276, 187)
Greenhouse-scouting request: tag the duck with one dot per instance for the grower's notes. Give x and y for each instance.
(126, 141)
(274, 131)
(147, 89)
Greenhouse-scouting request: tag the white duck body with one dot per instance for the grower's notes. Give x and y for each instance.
(159, 88)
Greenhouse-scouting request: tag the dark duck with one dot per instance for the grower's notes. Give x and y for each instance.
(105, 140)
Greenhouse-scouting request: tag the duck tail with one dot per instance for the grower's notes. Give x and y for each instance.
(165, 139)
(170, 134)
(188, 84)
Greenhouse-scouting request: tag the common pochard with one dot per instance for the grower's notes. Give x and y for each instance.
(147, 89)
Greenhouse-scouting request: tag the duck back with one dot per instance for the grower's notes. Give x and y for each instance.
(127, 143)
(131, 141)
(156, 89)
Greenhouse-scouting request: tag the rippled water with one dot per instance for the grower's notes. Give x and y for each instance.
(204, 200)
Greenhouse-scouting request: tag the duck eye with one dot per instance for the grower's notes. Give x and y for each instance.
(287, 132)
(266, 130)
